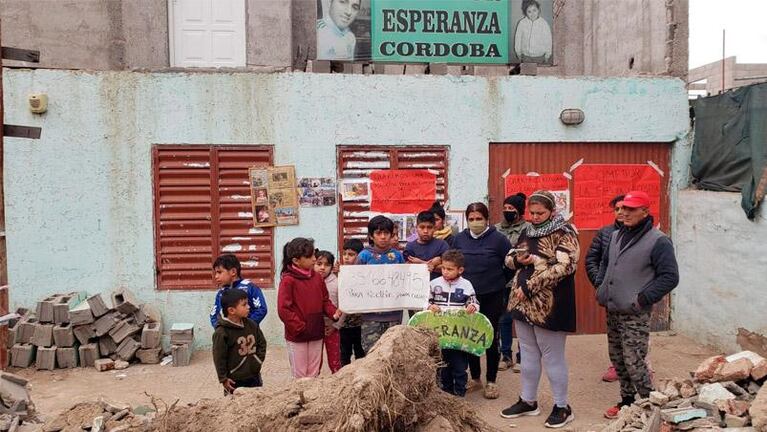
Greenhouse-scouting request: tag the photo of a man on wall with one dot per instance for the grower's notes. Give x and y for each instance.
(343, 29)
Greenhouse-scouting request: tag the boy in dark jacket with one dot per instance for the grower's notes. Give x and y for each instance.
(239, 346)
(227, 275)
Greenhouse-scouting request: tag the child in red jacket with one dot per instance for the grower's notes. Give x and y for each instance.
(302, 304)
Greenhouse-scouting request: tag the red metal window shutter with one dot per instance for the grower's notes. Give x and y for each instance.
(202, 209)
(359, 161)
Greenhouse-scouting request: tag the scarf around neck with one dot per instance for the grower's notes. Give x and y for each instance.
(556, 223)
(443, 233)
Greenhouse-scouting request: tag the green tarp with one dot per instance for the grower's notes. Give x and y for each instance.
(730, 147)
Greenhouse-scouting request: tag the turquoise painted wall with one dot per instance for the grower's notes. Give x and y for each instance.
(79, 200)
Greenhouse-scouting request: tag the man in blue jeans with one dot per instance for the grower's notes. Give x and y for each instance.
(512, 225)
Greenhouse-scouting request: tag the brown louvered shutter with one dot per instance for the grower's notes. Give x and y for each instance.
(359, 161)
(202, 208)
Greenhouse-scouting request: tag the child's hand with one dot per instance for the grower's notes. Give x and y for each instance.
(414, 260)
(336, 267)
(337, 315)
(434, 308)
(470, 309)
(228, 385)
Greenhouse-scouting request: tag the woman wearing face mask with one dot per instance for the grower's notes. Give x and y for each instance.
(484, 249)
(511, 226)
(542, 305)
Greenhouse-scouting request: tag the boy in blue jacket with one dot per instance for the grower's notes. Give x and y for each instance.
(227, 275)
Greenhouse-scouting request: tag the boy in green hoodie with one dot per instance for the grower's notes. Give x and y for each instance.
(239, 346)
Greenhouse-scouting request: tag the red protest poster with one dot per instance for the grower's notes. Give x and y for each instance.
(402, 191)
(595, 185)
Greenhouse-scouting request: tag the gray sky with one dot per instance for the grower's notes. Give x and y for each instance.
(745, 22)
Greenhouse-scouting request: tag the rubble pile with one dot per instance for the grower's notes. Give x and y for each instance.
(16, 406)
(391, 388)
(723, 393)
(101, 416)
(70, 330)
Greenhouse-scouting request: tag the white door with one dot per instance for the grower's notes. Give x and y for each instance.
(207, 33)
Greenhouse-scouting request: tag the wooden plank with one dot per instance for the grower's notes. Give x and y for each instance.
(20, 54)
(17, 131)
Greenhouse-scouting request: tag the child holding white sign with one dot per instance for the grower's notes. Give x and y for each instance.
(451, 292)
(380, 251)
(302, 304)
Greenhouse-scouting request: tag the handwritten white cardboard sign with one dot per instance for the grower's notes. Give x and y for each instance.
(383, 288)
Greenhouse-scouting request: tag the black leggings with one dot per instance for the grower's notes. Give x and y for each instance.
(351, 341)
(492, 306)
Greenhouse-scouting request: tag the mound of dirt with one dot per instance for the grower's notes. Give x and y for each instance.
(392, 389)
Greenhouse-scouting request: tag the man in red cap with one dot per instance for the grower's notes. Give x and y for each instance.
(638, 270)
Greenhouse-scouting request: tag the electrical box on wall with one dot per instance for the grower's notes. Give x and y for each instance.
(38, 103)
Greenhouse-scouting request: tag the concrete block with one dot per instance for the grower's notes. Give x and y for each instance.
(105, 323)
(62, 306)
(151, 336)
(679, 415)
(81, 314)
(63, 336)
(754, 357)
(84, 333)
(104, 364)
(152, 313)
(149, 355)
(127, 349)
(182, 354)
(139, 317)
(46, 358)
(107, 346)
(182, 333)
(98, 307)
(121, 364)
(43, 336)
(45, 309)
(23, 355)
(67, 357)
(89, 353)
(123, 329)
(13, 388)
(26, 330)
(124, 301)
(12, 337)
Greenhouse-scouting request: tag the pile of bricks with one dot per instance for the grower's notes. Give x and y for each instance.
(100, 416)
(724, 393)
(16, 406)
(70, 330)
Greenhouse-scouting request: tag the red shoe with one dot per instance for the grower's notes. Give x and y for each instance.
(611, 375)
(612, 412)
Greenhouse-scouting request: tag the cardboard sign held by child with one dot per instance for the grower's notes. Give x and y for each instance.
(382, 288)
(471, 333)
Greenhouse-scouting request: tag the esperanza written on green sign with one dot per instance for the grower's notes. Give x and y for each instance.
(444, 31)
(471, 333)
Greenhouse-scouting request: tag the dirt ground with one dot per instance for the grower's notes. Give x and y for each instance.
(671, 355)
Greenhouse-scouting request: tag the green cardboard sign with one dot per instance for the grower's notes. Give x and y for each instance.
(442, 31)
(457, 330)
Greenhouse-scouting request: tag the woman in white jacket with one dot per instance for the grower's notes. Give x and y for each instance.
(532, 40)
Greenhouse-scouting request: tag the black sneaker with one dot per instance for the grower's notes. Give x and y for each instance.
(559, 417)
(521, 408)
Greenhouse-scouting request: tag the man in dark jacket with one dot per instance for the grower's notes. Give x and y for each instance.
(639, 269)
(594, 256)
